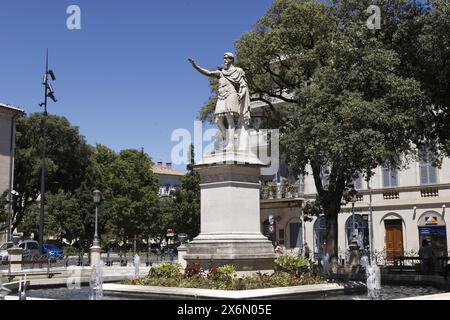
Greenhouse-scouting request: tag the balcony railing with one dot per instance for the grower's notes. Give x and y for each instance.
(391, 195)
(281, 192)
(429, 192)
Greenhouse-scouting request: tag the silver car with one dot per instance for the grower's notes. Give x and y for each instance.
(4, 250)
(30, 249)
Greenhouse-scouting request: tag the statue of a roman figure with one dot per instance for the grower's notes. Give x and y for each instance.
(233, 100)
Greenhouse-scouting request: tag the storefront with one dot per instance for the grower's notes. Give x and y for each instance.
(432, 228)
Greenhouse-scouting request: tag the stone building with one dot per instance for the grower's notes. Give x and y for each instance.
(408, 206)
(8, 117)
(169, 178)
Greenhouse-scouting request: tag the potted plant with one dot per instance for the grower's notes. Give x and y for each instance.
(272, 187)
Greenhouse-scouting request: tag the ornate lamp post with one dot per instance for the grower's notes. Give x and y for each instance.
(354, 246)
(95, 249)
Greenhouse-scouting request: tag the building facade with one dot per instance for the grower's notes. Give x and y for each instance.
(8, 117)
(408, 206)
(169, 178)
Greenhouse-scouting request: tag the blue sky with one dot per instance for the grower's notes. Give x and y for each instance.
(123, 78)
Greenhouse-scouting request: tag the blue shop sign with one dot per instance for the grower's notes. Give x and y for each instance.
(432, 230)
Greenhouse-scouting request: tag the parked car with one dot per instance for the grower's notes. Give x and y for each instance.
(4, 250)
(53, 251)
(30, 248)
(56, 243)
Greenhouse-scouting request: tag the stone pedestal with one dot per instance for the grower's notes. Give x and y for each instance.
(230, 214)
(96, 253)
(15, 255)
(355, 259)
(182, 250)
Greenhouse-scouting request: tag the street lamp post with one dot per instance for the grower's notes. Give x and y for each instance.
(371, 249)
(95, 249)
(354, 246)
(48, 93)
(353, 193)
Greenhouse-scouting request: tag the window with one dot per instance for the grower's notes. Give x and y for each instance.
(390, 177)
(32, 246)
(428, 172)
(361, 230)
(320, 230)
(358, 182)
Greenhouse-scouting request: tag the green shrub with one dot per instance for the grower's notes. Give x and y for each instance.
(224, 273)
(166, 270)
(294, 265)
(70, 251)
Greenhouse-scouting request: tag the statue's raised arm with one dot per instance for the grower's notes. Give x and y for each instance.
(233, 100)
(204, 71)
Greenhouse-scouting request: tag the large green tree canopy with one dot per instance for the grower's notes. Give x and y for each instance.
(74, 169)
(354, 98)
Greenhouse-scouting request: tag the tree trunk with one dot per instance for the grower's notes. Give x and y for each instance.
(331, 216)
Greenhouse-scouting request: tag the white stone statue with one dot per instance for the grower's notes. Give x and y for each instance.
(233, 101)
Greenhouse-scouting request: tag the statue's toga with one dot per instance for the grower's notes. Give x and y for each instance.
(233, 101)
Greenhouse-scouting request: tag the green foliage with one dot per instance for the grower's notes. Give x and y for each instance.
(74, 169)
(224, 278)
(225, 273)
(3, 205)
(207, 111)
(182, 212)
(70, 251)
(166, 270)
(312, 209)
(62, 218)
(133, 194)
(68, 164)
(349, 104)
(292, 264)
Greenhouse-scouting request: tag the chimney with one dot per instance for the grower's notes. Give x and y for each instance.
(160, 163)
(169, 165)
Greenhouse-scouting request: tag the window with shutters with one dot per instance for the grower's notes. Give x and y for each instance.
(390, 177)
(428, 172)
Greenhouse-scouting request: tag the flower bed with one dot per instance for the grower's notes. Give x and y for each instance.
(290, 271)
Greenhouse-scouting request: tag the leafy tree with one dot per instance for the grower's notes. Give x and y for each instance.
(422, 40)
(349, 106)
(67, 161)
(62, 217)
(186, 216)
(134, 195)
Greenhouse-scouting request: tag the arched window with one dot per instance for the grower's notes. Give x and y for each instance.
(361, 230)
(320, 229)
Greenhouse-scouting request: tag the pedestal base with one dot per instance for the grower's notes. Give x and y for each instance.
(95, 255)
(181, 256)
(244, 252)
(230, 214)
(355, 259)
(15, 255)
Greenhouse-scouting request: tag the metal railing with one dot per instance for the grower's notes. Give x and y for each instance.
(280, 191)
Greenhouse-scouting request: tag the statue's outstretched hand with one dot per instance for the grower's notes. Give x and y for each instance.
(192, 62)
